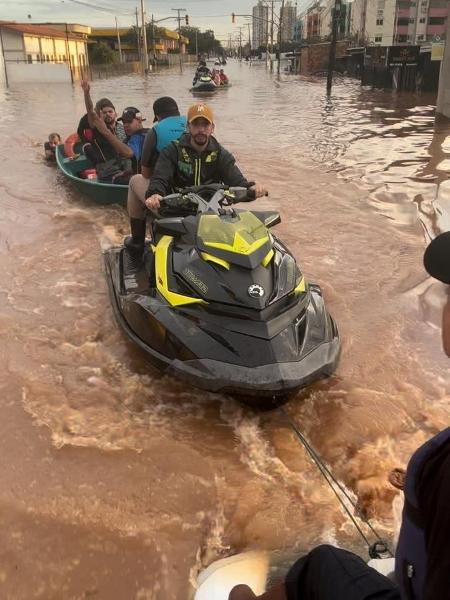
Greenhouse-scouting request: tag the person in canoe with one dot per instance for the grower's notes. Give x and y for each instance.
(131, 149)
(223, 78)
(168, 126)
(111, 167)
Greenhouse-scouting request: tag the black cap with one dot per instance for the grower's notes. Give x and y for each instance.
(436, 259)
(165, 106)
(130, 113)
(103, 103)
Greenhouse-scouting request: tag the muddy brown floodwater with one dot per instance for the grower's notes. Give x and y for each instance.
(119, 483)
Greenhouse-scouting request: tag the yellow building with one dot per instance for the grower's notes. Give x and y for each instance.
(166, 41)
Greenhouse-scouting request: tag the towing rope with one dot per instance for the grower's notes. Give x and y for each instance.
(380, 547)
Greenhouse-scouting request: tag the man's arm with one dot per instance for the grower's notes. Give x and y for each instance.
(164, 172)
(85, 86)
(121, 148)
(232, 176)
(148, 154)
(229, 172)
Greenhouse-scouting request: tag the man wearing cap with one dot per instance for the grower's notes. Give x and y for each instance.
(135, 132)
(168, 126)
(110, 166)
(196, 158)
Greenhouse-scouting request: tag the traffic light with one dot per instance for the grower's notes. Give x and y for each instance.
(233, 18)
(186, 18)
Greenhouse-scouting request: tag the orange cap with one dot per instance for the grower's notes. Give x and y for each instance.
(197, 111)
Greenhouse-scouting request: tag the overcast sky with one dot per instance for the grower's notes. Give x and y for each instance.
(205, 14)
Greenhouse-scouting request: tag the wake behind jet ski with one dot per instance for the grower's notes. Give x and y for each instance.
(220, 302)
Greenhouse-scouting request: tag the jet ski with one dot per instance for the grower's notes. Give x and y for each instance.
(219, 300)
(204, 84)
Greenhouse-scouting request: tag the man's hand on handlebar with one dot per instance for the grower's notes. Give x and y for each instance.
(153, 202)
(258, 190)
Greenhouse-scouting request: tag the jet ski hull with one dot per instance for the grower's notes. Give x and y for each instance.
(222, 353)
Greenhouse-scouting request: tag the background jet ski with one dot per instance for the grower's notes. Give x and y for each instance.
(220, 302)
(204, 84)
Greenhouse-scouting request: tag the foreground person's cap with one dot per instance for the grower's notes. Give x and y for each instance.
(436, 259)
(197, 111)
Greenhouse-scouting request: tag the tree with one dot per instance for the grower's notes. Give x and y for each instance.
(206, 41)
(102, 54)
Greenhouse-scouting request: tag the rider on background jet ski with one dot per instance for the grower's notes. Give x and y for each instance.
(202, 70)
(196, 158)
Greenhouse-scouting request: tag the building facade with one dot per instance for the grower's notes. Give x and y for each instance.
(160, 41)
(260, 25)
(40, 52)
(288, 21)
(399, 22)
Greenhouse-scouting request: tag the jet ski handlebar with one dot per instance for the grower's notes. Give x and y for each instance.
(196, 199)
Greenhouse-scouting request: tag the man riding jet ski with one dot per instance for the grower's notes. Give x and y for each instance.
(203, 79)
(220, 302)
(216, 298)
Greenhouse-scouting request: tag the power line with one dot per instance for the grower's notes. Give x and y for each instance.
(99, 7)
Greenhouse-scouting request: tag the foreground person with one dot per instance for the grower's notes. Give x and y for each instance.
(196, 158)
(422, 561)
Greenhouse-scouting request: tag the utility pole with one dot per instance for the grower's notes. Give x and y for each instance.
(68, 54)
(196, 44)
(364, 21)
(280, 29)
(271, 38)
(118, 40)
(249, 40)
(178, 11)
(332, 56)
(144, 38)
(138, 36)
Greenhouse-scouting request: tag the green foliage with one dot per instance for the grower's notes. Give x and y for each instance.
(101, 54)
(206, 41)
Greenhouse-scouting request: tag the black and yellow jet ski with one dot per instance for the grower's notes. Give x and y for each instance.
(220, 302)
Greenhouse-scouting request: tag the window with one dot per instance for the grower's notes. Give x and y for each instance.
(402, 38)
(436, 21)
(420, 37)
(403, 21)
(422, 20)
(380, 22)
(378, 39)
(30, 58)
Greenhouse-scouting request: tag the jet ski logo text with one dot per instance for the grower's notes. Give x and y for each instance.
(256, 291)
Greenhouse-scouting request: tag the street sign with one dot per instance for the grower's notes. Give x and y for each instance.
(403, 56)
(437, 50)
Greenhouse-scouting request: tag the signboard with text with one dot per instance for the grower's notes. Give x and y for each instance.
(403, 56)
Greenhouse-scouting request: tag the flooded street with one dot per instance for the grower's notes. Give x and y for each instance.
(119, 483)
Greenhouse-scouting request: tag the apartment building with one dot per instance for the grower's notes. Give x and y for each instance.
(260, 20)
